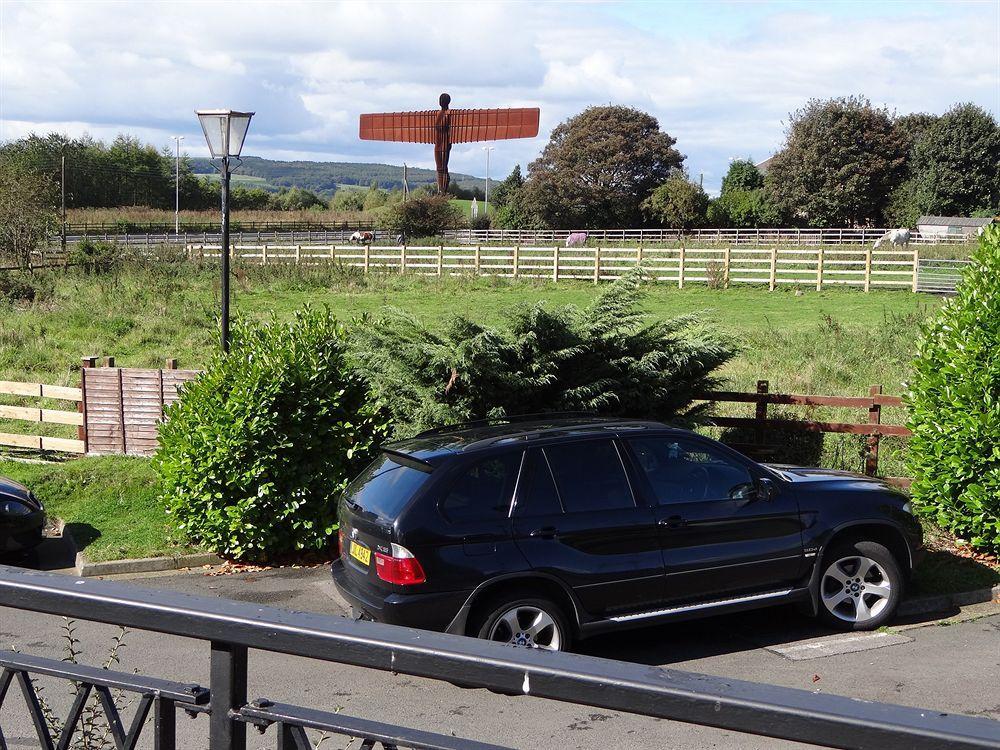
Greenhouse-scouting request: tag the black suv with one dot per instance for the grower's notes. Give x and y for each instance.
(535, 533)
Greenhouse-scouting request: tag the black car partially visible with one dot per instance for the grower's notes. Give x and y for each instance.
(22, 518)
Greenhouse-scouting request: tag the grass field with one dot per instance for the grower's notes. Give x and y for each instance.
(831, 342)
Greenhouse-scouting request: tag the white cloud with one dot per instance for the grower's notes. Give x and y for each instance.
(309, 68)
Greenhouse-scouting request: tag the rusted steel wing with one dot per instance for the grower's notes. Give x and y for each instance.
(467, 125)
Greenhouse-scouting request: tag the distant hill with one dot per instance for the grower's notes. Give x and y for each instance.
(326, 177)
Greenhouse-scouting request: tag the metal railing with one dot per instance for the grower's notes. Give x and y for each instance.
(755, 236)
(231, 628)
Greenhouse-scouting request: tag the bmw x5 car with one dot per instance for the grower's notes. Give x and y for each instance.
(22, 518)
(537, 533)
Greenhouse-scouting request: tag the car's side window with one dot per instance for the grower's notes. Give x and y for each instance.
(537, 494)
(590, 476)
(681, 470)
(484, 490)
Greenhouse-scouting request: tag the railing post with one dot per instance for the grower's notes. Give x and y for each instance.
(773, 280)
(874, 417)
(680, 269)
(440, 259)
(263, 254)
(476, 260)
(597, 264)
(726, 260)
(367, 257)
(916, 268)
(81, 407)
(555, 263)
(229, 693)
(164, 724)
(402, 259)
(819, 269)
(868, 268)
(761, 414)
(517, 259)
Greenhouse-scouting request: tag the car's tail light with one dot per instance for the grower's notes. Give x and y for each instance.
(401, 567)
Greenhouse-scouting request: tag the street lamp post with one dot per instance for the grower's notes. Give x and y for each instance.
(224, 130)
(177, 183)
(486, 202)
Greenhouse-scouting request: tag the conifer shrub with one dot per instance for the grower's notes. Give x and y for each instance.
(608, 359)
(954, 406)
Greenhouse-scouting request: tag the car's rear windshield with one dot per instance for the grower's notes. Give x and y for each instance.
(384, 488)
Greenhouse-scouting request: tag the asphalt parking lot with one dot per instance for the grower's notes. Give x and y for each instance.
(950, 664)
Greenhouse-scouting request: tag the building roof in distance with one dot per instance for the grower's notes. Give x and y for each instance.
(955, 221)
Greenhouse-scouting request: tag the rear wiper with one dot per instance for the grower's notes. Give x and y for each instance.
(405, 459)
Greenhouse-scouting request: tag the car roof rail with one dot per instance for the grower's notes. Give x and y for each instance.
(600, 423)
(512, 419)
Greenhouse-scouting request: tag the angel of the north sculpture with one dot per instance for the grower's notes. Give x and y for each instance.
(448, 126)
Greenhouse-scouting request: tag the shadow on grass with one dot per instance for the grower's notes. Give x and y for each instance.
(944, 572)
(83, 534)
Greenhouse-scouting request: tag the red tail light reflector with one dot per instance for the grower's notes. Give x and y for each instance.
(401, 567)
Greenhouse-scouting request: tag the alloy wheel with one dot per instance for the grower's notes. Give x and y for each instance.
(855, 589)
(526, 626)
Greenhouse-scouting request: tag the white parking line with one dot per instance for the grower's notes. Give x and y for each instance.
(832, 646)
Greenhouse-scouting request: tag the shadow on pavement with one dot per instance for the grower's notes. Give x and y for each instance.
(716, 636)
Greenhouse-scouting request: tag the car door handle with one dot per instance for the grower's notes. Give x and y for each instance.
(672, 522)
(546, 532)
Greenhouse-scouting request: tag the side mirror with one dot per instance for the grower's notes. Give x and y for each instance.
(765, 488)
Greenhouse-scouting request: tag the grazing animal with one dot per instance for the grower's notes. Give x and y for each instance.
(899, 237)
(576, 239)
(362, 238)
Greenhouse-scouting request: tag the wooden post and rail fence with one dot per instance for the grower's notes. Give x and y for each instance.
(117, 410)
(721, 267)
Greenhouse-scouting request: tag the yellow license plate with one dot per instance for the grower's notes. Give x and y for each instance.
(361, 553)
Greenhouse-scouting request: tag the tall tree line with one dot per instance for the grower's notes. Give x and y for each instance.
(844, 163)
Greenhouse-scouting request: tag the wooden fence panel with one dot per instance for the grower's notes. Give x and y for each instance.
(124, 407)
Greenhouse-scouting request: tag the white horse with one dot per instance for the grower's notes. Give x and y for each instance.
(576, 239)
(899, 237)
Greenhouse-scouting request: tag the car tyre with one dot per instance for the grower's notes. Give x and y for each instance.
(524, 622)
(860, 586)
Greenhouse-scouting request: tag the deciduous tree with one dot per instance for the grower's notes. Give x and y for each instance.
(956, 163)
(678, 203)
(598, 167)
(841, 159)
(27, 210)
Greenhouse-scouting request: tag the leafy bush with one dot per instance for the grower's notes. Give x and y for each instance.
(95, 256)
(14, 288)
(422, 216)
(257, 448)
(677, 203)
(606, 359)
(954, 406)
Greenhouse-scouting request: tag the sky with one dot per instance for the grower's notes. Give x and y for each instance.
(721, 77)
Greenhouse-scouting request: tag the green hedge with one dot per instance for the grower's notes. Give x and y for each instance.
(954, 406)
(253, 455)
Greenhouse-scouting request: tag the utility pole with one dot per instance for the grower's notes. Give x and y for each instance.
(62, 181)
(406, 186)
(486, 202)
(177, 184)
